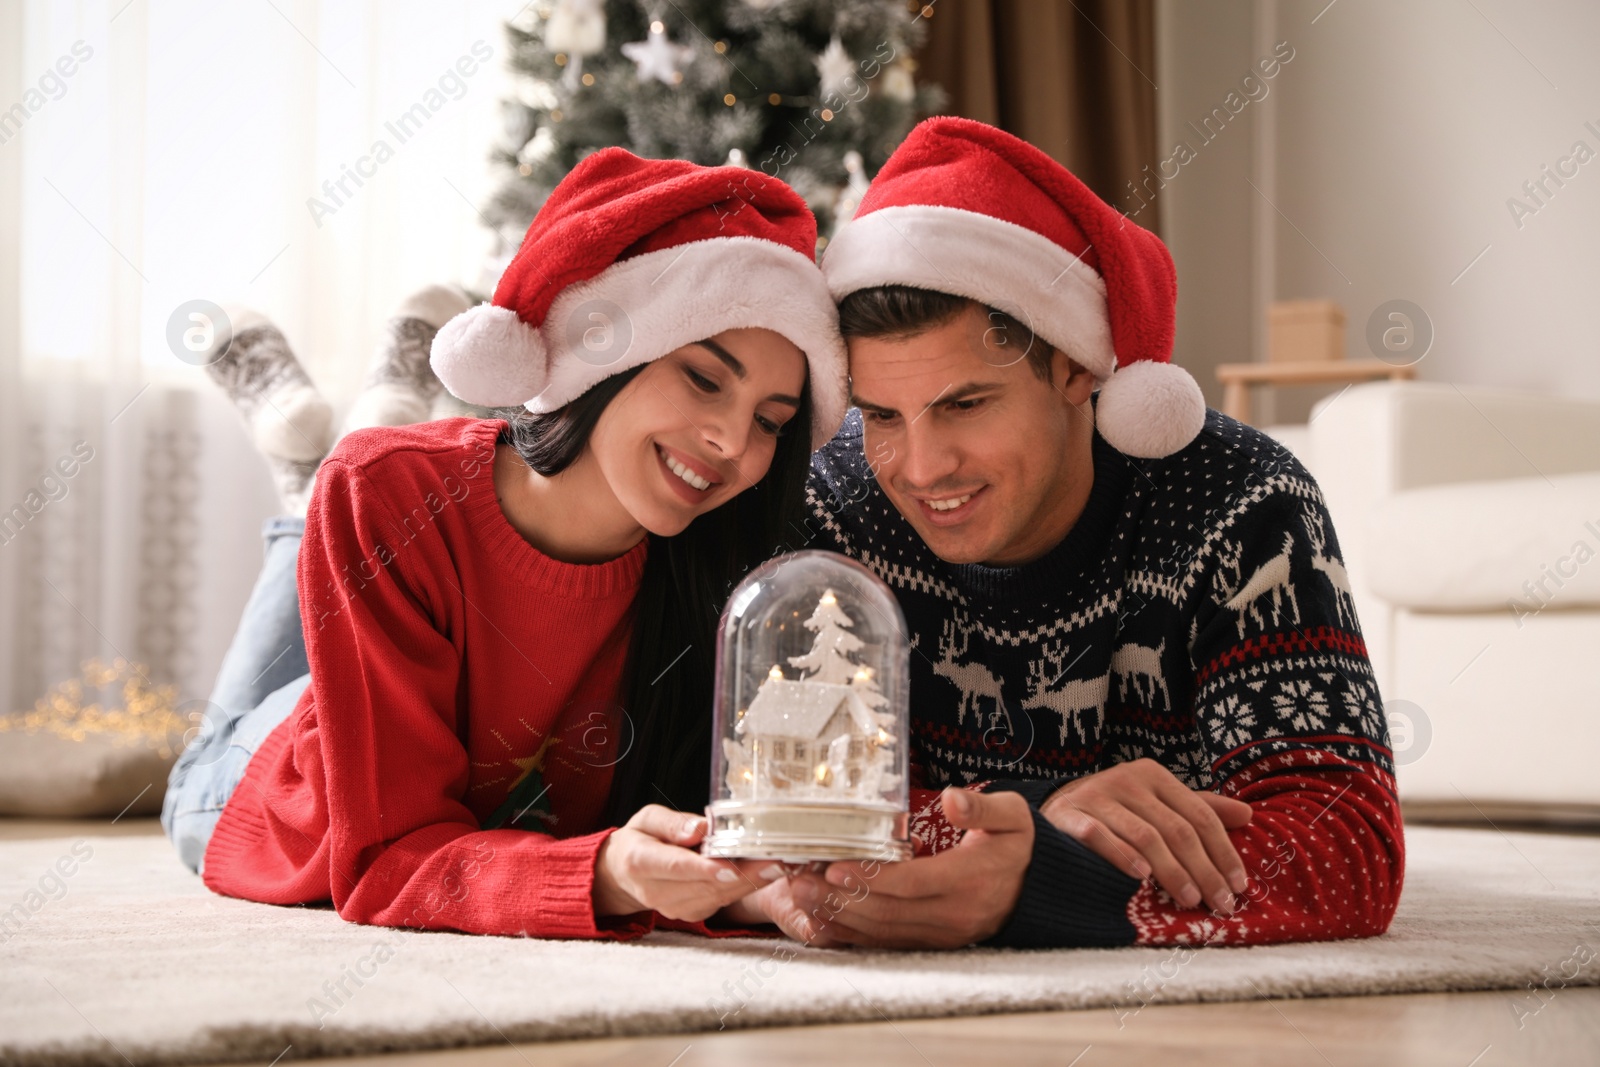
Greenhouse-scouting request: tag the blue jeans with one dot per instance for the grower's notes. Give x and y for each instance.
(260, 682)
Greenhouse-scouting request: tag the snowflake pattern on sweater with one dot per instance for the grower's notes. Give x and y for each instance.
(1197, 614)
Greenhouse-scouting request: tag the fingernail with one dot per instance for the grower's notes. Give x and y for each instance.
(957, 802)
(1224, 903)
(689, 827)
(727, 874)
(1142, 867)
(1238, 881)
(772, 873)
(1189, 895)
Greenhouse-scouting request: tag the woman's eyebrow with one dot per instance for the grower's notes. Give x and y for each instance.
(738, 369)
(724, 355)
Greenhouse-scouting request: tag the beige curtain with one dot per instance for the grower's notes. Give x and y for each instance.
(169, 169)
(1073, 77)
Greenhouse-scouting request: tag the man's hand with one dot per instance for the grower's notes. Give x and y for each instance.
(1142, 819)
(958, 897)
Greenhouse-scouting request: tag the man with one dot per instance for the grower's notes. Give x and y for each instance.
(1132, 643)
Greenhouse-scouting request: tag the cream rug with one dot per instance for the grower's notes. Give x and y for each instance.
(129, 959)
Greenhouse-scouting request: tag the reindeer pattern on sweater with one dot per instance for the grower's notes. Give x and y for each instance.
(1198, 615)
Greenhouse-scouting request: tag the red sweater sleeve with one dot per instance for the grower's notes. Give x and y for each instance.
(1324, 852)
(402, 847)
(1293, 724)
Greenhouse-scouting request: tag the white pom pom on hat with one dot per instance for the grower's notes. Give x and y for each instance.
(488, 356)
(966, 209)
(1149, 410)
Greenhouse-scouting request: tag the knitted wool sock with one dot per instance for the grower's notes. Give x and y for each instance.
(288, 419)
(295, 479)
(400, 386)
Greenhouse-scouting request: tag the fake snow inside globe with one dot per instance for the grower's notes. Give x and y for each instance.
(809, 762)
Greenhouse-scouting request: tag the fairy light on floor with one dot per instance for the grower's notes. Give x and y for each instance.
(115, 701)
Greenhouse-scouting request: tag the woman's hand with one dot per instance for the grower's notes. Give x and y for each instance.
(649, 864)
(752, 909)
(1141, 818)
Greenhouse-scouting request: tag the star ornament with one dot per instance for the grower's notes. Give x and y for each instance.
(835, 68)
(657, 57)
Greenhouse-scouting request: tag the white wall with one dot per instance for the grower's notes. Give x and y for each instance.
(1201, 52)
(1399, 133)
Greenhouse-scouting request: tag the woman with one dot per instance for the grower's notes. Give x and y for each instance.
(475, 595)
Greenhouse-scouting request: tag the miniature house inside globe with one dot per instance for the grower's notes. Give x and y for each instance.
(809, 759)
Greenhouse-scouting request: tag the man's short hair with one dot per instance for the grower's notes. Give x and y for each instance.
(902, 311)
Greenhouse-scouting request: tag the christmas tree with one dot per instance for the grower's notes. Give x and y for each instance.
(831, 658)
(815, 92)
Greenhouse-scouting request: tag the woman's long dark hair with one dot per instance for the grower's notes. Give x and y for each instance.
(667, 692)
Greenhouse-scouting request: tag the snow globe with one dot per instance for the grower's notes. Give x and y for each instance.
(810, 740)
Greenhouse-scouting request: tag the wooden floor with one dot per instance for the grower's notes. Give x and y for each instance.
(1478, 1029)
(1446, 1029)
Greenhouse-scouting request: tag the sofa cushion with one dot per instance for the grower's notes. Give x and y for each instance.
(1522, 545)
(47, 776)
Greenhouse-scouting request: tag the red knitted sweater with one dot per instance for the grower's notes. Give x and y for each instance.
(449, 661)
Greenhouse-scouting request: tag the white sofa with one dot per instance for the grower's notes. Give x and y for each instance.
(1469, 519)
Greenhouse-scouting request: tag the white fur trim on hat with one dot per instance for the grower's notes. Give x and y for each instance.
(1008, 267)
(639, 310)
(1150, 410)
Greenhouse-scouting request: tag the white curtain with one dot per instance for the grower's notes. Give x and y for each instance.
(314, 159)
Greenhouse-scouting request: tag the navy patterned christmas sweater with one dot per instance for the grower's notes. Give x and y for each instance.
(1196, 614)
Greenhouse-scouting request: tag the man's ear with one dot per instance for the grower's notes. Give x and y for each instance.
(1070, 378)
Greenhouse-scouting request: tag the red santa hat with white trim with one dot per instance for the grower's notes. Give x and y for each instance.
(969, 210)
(630, 259)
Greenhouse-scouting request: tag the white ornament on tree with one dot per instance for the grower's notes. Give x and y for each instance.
(898, 83)
(657, 57)
(577, 27)
(844, 208)
(539, 148)
(835, 68)
(537, 94)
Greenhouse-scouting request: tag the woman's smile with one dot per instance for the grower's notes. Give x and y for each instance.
(688, 477)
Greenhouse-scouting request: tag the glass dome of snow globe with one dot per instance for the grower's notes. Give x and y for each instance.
(810, 744)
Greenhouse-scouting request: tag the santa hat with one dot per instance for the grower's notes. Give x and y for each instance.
(630, 259)
(966, 209)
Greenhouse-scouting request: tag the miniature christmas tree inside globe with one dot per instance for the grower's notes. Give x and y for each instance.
(811, 716)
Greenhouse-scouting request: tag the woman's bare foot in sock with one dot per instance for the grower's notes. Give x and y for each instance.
(400, 387)
(288, 418)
